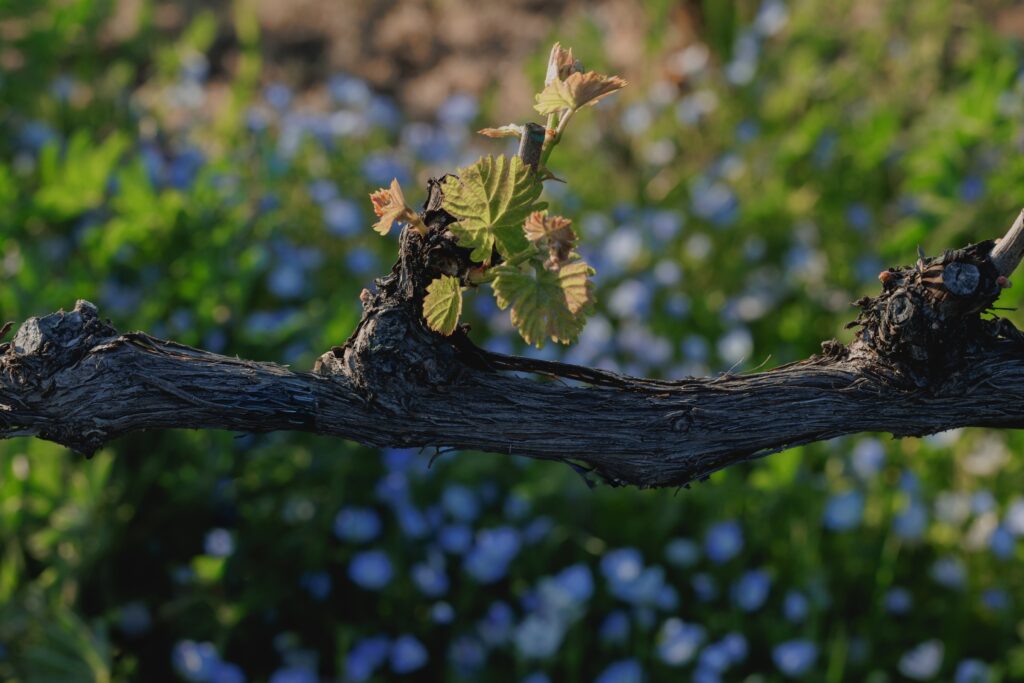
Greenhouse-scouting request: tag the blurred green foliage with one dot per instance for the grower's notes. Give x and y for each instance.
(734, 201)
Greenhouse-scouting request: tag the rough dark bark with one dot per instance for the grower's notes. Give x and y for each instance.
(923, 361)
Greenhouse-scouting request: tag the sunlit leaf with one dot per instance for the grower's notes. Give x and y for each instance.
(578, 90)
(546, 304)
(555, 97)
(491, 199)
(442, 305)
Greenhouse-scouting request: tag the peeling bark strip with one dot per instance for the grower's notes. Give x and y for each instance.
(924, 361)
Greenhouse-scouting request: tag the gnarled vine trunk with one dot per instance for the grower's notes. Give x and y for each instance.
(924, 360)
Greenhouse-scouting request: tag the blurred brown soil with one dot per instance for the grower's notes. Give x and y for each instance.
(422, 51)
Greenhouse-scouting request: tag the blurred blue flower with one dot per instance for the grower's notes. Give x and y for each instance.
(226, 672)
(349, 91)
(361, 261)
(1014, 519)
(667, 598)
(34, 135)
(1002, 543)
(971, 671)
(622, 565)
(628, 580)
(357, 524)
(516, 506)
(286, 281)
(536, 677)
(578, 581)
(858, 216)
(183, 168)
(278, 96)
(293, 674)
(794, 658)
(496, 627)
(631, 299)
(431, 145)
(398, 459)
(194, 661)
(430, 576)
(456, 539)
(911, 523)
(460, 503)
(972, 188)
(898, 601)
(488, 559)
(705, 675)
(343, 217)
(844, 511)
(411, 521)
(442, 613)
(407, 654)
(370, 569)
(949, 572)
(459, 110)
(393, 489)
(825, 149)
(704, 586)
(982, 501)
(868, 458)
(384, 113)
(380, 169)
(771, 18)
(538, 529)
(622, 671)
(723, 541)
(317, 584)
(322, 191)
(714, 657)
(644, 616)
(751, 590)
(923, 662)
(466, 655)
(735, 644)
(678, 641)
(539, 636)
(682, 552)
(134, 619)
(995, 599)
(746, 131)
(795, 606)
(615, 627)
(713, 201)
(909, 482)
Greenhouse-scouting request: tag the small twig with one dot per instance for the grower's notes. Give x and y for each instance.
(531, 144)
(1007, 254)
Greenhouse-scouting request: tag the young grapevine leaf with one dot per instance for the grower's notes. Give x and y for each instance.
(553, 233)
(576, 91)
(389, 204)
(561, 63)
(442, 305)
(491, 199)
(546, 304)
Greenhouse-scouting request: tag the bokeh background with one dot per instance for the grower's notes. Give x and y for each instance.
(200, 170)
